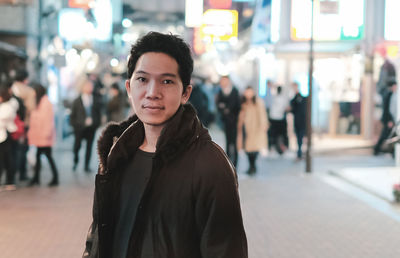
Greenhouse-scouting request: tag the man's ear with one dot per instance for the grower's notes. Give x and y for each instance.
(128, 87)
(186, 94)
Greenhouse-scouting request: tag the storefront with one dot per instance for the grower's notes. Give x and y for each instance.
(338, 63)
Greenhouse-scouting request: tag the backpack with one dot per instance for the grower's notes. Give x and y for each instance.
(20, 128)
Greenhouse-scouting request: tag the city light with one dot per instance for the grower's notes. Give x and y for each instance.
(114, 62)
(71, 24)
(126, 23)
(91, 65)
(333, 20)
(392, 20)
(193, 13)
(220, 24)
(86, 53)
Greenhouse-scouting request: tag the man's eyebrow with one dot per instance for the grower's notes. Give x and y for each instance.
(163, 74)
(141, 72)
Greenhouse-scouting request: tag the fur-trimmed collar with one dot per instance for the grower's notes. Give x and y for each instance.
(119, 141)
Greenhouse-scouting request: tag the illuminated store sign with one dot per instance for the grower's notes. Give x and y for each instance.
(333, 20)
(219, 24)
(74, 25)
(220, 4)
(265, 25)
(193, 13)
(85, 4)
(392, 20)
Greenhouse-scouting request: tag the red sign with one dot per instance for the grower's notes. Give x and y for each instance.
(220, 4)
(84, 4)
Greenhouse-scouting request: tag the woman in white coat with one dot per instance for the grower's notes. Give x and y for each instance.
(8, 111)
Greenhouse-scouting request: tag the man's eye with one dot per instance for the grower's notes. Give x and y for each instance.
(167, 82)
(141, 79)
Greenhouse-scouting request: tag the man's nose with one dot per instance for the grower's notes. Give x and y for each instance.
(153, 89)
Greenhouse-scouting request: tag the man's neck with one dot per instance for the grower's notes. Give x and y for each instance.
(151, 135)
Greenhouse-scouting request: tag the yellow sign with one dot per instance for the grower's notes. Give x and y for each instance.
(219, 24)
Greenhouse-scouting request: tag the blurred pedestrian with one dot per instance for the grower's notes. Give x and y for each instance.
(228, 104)
(277, 117)
(298, 106)
(22, 90)
(211, 91)
(116, 105)
(387, 118)
(42, 134)
(164, 189)
(387, 75)
(85, 119)
(8, 112)
(252, 125)
(199, 100)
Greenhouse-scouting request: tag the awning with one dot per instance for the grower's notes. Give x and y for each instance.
(9, 49)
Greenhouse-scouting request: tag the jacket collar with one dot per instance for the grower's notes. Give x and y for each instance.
(119, 141)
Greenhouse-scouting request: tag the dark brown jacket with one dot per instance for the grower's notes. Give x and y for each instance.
(190, 207)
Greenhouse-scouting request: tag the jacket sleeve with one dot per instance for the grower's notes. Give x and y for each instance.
(92, 239)
(77, 117)
(217, 208)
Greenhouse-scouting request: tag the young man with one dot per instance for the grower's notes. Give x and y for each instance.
(298, 106)
(164, 189)
(85, 119)
(228, 104)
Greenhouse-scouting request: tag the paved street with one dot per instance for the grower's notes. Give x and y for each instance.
(287, 213)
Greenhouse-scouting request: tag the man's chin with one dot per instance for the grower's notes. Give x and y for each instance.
(154, 122)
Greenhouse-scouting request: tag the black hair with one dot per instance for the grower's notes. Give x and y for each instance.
(169, 44)
(21, 75)
(253, 99)
(115, 86)
(279, 89)
(5, 92)
(40, 91)
(8, 83)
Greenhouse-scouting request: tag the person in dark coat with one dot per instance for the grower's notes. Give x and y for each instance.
(85, 119)
(116, 104)
(387, 118)
(164, 188)
(298, 106)
(228, 104)
(199, 100)
(387, 75)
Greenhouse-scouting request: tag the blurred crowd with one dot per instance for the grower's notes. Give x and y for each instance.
(251, 124)
(28, 121)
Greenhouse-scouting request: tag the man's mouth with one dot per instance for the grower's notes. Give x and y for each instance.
(151, 107)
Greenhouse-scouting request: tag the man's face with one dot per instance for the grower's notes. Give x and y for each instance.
(87, 88)
(295, 87)
(225, 82)
(155, 89)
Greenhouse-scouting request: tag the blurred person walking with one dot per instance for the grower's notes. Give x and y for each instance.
(163, 188)
(298, 106)
(42, 134)
(228, 104)
(387, 75)
(199, 100)
(85, 118)
(252, 127)
(387, 118)
(116, 105)
(8, 112)
(22, 90)
(277, 117)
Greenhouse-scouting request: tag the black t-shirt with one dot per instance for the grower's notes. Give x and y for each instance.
(133, 183)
